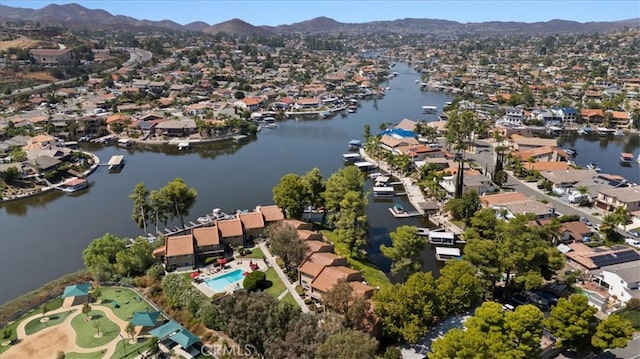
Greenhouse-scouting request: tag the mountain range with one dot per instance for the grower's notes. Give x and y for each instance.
(74, 16)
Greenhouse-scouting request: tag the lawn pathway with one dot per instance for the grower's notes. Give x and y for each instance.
(64, 326)
(283, 277)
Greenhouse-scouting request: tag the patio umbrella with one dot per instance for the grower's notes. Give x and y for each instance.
(195, 274)
(222, 261)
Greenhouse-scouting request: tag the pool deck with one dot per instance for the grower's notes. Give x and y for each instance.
(208, 273)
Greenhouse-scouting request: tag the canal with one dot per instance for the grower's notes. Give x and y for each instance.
(42, 238)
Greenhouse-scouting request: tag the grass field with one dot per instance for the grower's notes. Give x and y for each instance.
(95, 355)
(277, 287)
(35, 325)
(129, 302)
(85, 330)
(371, 273)
(130, 349)
(289, 299)
(255, 253)
(52, 305)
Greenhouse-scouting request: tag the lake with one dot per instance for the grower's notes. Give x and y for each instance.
(42, 238)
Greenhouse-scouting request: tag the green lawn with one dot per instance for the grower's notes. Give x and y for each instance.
(130, 349)
(255, 253)
(277, 287)
(54, 304)
(289, 299)
(371, 273)
(36, 325)
(128, 300)
(85, 330)
(95, 355)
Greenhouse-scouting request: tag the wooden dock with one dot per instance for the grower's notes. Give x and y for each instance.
(405, 214)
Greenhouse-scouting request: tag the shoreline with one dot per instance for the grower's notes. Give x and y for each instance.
(85, 174)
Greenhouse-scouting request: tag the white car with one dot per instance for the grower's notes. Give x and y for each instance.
(632, 242)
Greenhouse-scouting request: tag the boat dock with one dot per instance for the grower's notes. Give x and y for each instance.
(105, 139)
(405, 214)
(447, 253)
(116, 162)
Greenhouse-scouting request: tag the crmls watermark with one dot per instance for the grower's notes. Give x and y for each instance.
(219, 351)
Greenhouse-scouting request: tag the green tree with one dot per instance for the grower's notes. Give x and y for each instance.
(465, 207)
(484, 224)
(136, 259)
(483, 254)
(407, 310)
(181, 198)
(141, 207)
(458, 287)
(349, 344)
(284, 243)
(351, 225)
(44, 308)
(209, 315)
(344, 180)
(86, 310)
(254, 281)
(315, 187)
(492, 333)
(613, 332)
(291, 194)
(101, 253)
(406, 250)
(571, 322)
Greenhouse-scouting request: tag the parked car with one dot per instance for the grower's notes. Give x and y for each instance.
(632, 242)
(520, 299)
(550, 297)
(585, 221)
(634, 233)
(538, 301)
(596, 227)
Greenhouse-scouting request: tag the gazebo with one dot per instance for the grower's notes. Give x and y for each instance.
(142, 320)
(165, 330)
(75, 294)
(184, 338)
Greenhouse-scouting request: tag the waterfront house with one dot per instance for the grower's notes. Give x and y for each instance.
(567, 178)
(271, 214)
(611, 198)
(42, 164)
(231, 232)
(541, 154)
(252, 224)
(407, 125)
(309, 235)
(510, 204)
(587, 258)
(297, 224)
(313, 265)
(620, 119)
(390, 142)
(419, 152)
(521, 143)
(329, 276)
(315, 246)
(207, 241)
(592, 115)
(176, 128)
(179, 252)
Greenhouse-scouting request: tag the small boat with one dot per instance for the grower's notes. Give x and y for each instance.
(429, 110)
(271, 125)
(397, 208)
(375, 175)
(585, 131)
(570, 151)
(74, 184)
(626, 157)
(183, 146)
(352, 109)
(355, 145)
(125, 142)
(593, 165)
(618, 133)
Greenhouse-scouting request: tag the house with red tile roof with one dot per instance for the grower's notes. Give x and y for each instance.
(271, 214)
(330, 276)
(231, 231)
(252, 224)
(313, 265)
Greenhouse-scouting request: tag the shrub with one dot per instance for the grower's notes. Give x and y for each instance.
(128, 281)
(210, 260)
(140, 282)
(299, 290)
(216, 297)
(6, 333)
(156, 271)
(206, 337)
(255, 280)
(307, 301)
(633, 304)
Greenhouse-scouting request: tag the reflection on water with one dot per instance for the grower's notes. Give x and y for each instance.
(49, 232)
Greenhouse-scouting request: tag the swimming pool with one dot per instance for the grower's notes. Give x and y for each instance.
(221, 282)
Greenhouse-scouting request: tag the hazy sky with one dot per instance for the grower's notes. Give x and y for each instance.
(268, 12)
